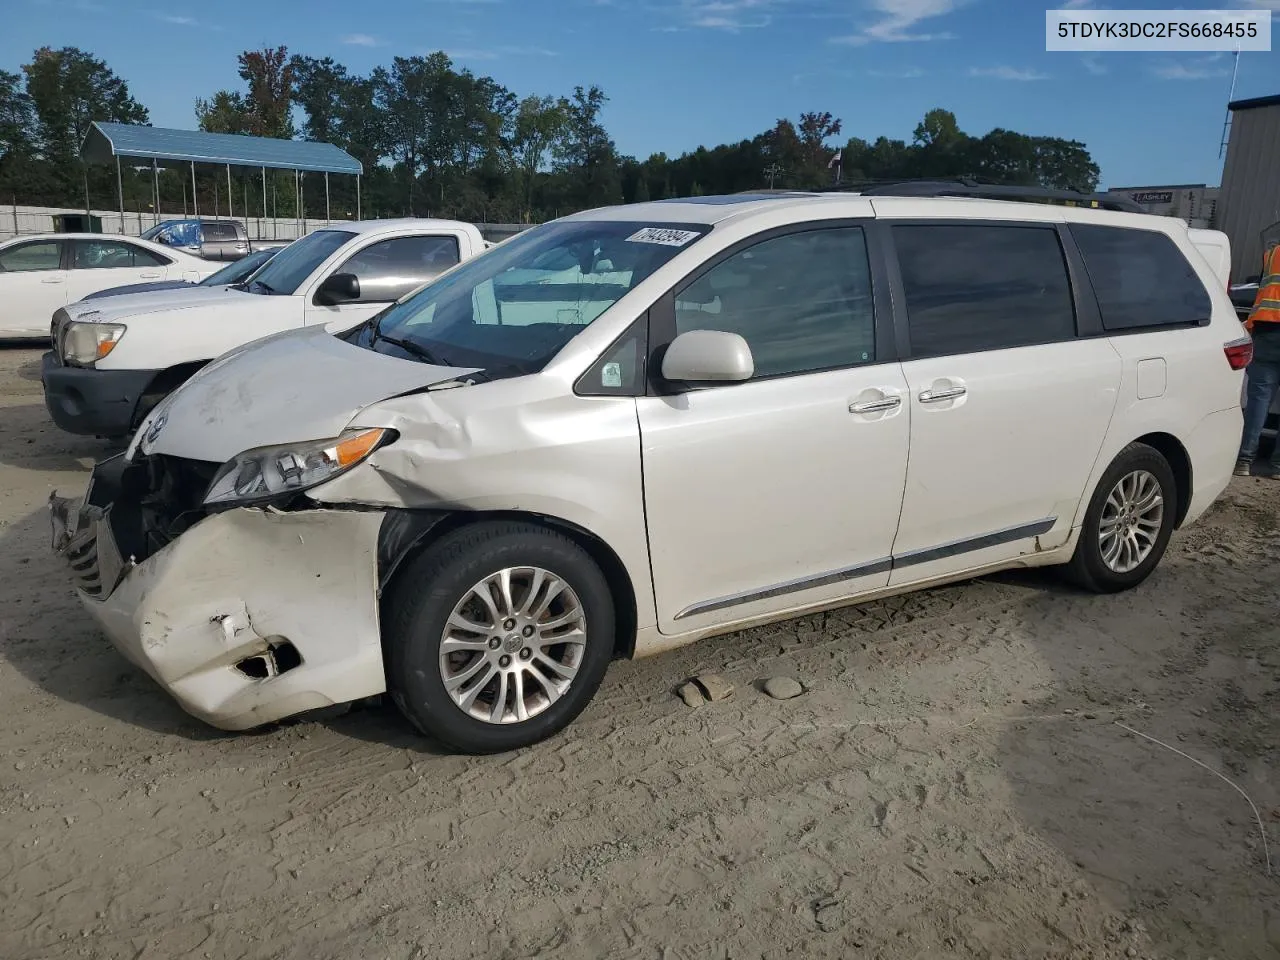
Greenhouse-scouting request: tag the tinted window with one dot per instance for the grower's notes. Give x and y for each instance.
(802, 301)
(973, 287)
(287, 269)
(38, 255)
(390, 269)
(1140, 277)
(214, 232)
(111, 254)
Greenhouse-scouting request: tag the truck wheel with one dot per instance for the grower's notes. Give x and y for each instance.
(498, 636)
(1128, 524)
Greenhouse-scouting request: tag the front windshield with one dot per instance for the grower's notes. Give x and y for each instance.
(521, 302)
(292, 265)
(238, 271)
(158, 229)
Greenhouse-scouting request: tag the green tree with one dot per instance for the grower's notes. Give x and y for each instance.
(813, 132)
(539, 124)
(320, 88)
(224, 112)
(17, 117)
(937, 129)
(414, 97)
(1065, 164)
(20, 173)
(586, 152)
(269, 102)
(69, 89)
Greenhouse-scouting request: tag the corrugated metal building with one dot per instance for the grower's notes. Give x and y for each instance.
(1249, 199)
(1192, 202)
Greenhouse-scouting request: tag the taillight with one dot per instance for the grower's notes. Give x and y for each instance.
(1239, 352)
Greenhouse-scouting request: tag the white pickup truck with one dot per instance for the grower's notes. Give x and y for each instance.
(114, 359)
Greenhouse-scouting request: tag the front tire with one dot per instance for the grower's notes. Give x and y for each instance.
(498, 636)
(1128, 524)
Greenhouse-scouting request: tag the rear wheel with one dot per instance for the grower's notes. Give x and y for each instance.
(498, 636)
(1128, 524)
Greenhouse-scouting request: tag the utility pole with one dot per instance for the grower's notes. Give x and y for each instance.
(773, 171)
(1226, 124)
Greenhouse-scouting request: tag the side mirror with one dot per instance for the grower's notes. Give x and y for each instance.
(708, 356)
(338, 288)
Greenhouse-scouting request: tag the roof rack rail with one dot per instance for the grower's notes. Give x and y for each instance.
(989, 191)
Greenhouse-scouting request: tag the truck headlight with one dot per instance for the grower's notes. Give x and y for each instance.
(269, 472)
(86, 343)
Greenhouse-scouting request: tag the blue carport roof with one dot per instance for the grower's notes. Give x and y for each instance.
(106, 141)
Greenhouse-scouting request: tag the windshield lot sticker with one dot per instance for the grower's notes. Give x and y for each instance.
(668, 238)
(611, 375)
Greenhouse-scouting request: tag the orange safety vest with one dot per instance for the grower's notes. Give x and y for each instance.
(1266, 305)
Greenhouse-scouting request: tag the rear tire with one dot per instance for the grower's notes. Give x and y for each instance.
(1128, 523)
(497, 636)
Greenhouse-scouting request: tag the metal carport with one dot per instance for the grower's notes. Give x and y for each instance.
(106, 141)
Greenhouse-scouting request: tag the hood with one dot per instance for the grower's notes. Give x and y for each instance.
(110, 309)
(302, 384)
(140, 288)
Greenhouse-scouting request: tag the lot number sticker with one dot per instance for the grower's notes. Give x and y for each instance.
(668, 238)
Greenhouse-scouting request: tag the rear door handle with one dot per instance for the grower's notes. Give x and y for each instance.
(52, 280)
(149, 276)
(937, 396)
(874, 406)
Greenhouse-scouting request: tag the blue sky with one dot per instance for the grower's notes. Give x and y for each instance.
(680, 73)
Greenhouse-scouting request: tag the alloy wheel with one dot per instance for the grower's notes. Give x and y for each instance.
(513, 645)
(1131, 520)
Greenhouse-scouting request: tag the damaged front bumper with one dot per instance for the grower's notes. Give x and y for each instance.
(247, 616)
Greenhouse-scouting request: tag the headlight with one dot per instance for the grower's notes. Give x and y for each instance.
(85, 343)
(269, 472)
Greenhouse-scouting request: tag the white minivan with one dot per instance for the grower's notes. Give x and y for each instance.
(637, 426)
(115, 358)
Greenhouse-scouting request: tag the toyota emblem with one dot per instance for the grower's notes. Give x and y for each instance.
(157, 425)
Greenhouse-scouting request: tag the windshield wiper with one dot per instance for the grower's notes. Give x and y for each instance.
(422, 353)
(267, 287)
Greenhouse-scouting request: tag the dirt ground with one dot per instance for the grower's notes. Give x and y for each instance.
(953, 782)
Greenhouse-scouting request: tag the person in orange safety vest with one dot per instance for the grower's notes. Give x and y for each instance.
(1264, 372)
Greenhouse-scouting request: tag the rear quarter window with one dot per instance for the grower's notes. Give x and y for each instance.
(1141, 278)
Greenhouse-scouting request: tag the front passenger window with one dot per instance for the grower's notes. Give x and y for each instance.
(802, 301)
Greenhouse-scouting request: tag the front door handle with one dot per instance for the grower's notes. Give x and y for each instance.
(875, 406)
(937, 396)
(52, 280)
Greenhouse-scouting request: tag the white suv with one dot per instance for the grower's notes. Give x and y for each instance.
(637, 426)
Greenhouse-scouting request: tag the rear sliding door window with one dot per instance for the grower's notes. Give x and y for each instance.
(975, 287)
(1141, 278)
